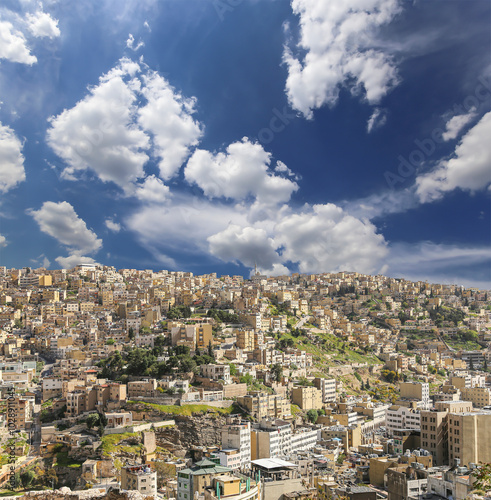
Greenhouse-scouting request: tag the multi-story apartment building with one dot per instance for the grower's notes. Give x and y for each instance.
(327, 386)
(479, 396)
(145, 388)
(191, 482)
(307, 398)
(192, 335)
(52, 387)
(469, 437)
(217, 372)
(398, 418)
(245, 339)
(140, 478)
(261, 405)
(304, 438)
(416, 390)
(434, 435)
(204, 335)
(271, 438)
(20, 412)
(236, 435)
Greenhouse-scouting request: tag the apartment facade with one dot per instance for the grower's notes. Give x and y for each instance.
(237, 435)
(327, 386)
(307, 398)
(469, 437)
(265, 405)
(398, 418)
(416, 390)
(140, 478)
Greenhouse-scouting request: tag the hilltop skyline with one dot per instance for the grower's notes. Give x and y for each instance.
(306, 137)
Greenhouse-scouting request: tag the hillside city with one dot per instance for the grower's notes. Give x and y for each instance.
(133, 384)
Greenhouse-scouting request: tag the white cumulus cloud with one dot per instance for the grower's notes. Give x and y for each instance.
(456, 124)
(115, 227)
(3, 241)
(11, 159)
(469, 168)
(13, 45)
(60, 221)
(98, 133)
(248, 245)
(338, 46)
(321, 238)
(241, 172)
(42, 25)
(325, 238)
(168, 117)
(73, 260)
(132, 114)
(152, 190)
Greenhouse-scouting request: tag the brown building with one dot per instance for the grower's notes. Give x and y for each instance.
(434, 435)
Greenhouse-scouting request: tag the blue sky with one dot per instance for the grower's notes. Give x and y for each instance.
(207, 135)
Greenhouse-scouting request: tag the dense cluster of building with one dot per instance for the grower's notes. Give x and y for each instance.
(337, 385)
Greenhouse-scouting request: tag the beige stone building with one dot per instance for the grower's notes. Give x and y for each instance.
(262, 405)
(144, 388)
(245, 339)
(479, 396)
(469, 437)
(307, 398)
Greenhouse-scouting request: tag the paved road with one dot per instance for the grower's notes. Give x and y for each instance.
(302, 322)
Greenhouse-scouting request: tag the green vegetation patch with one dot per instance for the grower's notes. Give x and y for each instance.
(110, 442)
(187, 410)
(63, 460)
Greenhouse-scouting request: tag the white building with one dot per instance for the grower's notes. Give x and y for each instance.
(327, 387)
(304, 439)
(217, 372)
(401, 417)
(236, 435)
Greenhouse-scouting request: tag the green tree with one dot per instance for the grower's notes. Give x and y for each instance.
(27, 477)
(159, 345)
(15, 481)
(246, 379)
(92, 420)
(313, 415)
(131, 333)
(277, 372)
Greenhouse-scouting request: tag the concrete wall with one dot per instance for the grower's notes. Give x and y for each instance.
(274, 490)
(139, 428)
